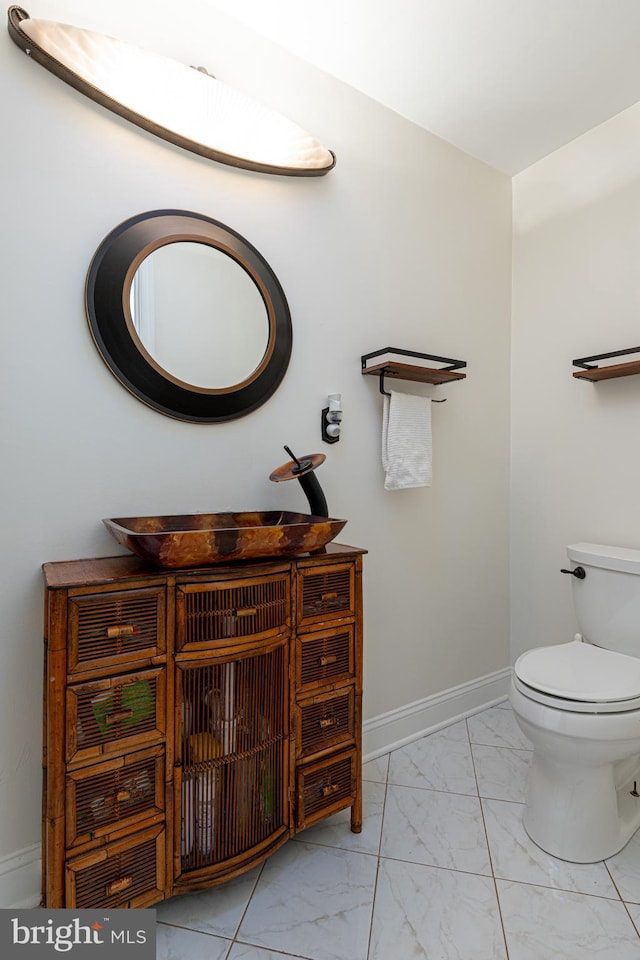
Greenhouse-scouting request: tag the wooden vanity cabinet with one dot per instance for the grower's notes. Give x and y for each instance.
(194, 720)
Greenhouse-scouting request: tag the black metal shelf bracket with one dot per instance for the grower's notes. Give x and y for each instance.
(451, 364)
(588, 363)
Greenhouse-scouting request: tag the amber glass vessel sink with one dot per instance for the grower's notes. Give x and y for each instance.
(203, 539)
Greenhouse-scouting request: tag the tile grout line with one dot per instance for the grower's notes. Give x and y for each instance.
(622, 900)
(373, 903)
(275, 953)
(379, 855)
(244, 912)
(575, 893)
(486, 835)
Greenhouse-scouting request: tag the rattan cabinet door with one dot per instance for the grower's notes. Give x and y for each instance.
(324, 788)
(115, 630)
(325, 658)
(115, 715)
(104, 799)
(325, 722)
(233, 748)
(227, 612)
(325, 592)
(128, 873)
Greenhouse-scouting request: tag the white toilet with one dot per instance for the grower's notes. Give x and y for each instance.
(579, 705)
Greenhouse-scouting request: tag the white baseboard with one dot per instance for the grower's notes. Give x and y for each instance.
(20, 872)
(398, 727)
(20, 878)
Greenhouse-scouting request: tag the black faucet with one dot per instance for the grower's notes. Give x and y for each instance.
(304, 472)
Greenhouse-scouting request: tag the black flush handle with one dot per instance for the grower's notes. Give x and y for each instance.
(579, 572)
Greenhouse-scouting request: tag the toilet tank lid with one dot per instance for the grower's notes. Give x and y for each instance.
(625, 559)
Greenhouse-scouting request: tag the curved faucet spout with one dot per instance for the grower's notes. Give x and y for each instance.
(302, 470)
(314, 494)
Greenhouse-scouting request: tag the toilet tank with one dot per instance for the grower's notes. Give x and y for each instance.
(607, 600)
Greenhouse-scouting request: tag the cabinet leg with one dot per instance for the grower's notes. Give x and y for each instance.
(356, 818)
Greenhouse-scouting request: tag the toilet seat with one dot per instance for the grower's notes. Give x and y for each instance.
(579, 677)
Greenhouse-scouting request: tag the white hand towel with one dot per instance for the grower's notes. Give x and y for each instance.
(406, 441)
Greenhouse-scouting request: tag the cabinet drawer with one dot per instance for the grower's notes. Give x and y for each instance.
(129, 873)
(326, 787)
(117, 714)
(325, 721)
(114, 795)
(325, 657)
(220, 613)
(115, 629)
(325, 592)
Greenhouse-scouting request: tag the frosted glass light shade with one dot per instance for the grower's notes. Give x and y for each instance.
(178, 103)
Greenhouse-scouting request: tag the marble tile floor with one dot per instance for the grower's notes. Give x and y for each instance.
(443, 870)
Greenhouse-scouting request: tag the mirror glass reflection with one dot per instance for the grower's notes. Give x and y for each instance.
(199, 315)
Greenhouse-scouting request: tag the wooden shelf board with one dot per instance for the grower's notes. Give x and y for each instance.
(608, 373)
(410, 371)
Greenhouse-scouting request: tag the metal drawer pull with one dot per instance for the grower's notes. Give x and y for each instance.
(116, 886)
(326, 660)
(328, 722)
(327, 791)
(329, 596)
(246, 611)
(125, 630)
(120, 715)
(122, 795)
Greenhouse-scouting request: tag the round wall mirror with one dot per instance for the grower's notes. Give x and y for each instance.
(188, 316)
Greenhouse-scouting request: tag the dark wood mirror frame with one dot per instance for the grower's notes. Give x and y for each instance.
(107, 304)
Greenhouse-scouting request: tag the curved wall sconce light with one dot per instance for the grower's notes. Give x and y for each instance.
(186, 106)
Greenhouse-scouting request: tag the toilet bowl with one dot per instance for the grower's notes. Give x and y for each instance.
(579, 705)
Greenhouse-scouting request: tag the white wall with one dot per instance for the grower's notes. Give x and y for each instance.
(406, 243)
(576, 292)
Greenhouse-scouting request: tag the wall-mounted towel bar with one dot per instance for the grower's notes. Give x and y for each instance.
(387, 394)
(595, 373)
(381, 363)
